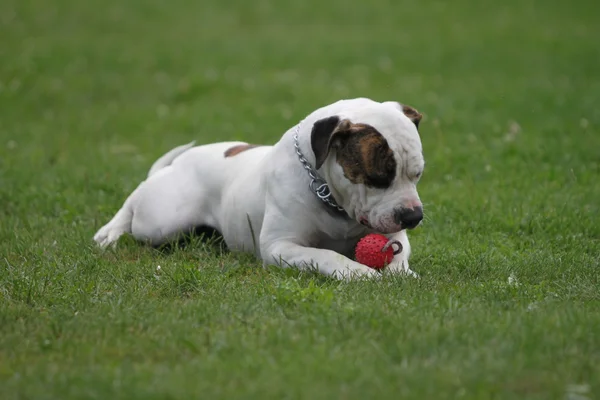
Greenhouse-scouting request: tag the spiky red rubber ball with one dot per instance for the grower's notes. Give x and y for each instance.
(368, 251)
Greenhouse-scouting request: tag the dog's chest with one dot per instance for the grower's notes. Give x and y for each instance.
(340, 236)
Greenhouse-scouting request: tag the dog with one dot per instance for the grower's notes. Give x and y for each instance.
(348, 169)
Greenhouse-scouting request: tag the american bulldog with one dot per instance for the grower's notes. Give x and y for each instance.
(347, 169)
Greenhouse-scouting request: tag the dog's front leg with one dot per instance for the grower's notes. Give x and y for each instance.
(285, 253)
(289, 240)
(400, 262)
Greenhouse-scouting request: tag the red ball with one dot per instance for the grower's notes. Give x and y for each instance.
(369, 251)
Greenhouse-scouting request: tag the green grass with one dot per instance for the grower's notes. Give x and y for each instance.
(508, 306)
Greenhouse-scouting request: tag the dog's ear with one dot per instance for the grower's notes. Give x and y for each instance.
(412, 114)
(323, 136)
(409, 111)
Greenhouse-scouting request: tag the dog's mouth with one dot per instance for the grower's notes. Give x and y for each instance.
(364, 221)
(379, 228)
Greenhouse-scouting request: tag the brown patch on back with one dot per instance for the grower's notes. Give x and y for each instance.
(366, 157)
(235, 150)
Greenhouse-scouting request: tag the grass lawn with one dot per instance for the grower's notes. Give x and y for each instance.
(508, 304)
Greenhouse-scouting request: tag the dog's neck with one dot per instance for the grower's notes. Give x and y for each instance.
(317, 184)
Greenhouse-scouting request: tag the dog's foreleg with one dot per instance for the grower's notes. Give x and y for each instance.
(400, 262)
(328, 262)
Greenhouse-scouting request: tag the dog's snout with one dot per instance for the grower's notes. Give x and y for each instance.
(409, 217)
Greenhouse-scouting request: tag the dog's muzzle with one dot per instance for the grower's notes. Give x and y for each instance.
(408, 217)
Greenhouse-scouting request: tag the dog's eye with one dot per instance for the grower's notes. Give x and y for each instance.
(390, 164)
(418, 175)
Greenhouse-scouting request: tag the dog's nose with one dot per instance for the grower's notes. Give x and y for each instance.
(408, 217)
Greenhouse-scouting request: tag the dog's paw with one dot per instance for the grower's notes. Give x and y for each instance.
(107, 236)
(398, 268)
(353, 274)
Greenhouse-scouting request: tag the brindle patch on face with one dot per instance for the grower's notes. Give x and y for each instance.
(235, 150)
(366, 157)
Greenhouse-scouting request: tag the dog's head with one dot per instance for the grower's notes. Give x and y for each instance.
(371, 156)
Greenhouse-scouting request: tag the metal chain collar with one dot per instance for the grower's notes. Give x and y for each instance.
(317, 184)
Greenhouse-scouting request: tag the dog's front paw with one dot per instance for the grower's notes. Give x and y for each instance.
(361, 272)
(399, 268)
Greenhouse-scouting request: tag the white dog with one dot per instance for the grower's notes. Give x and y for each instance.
(348, 169)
